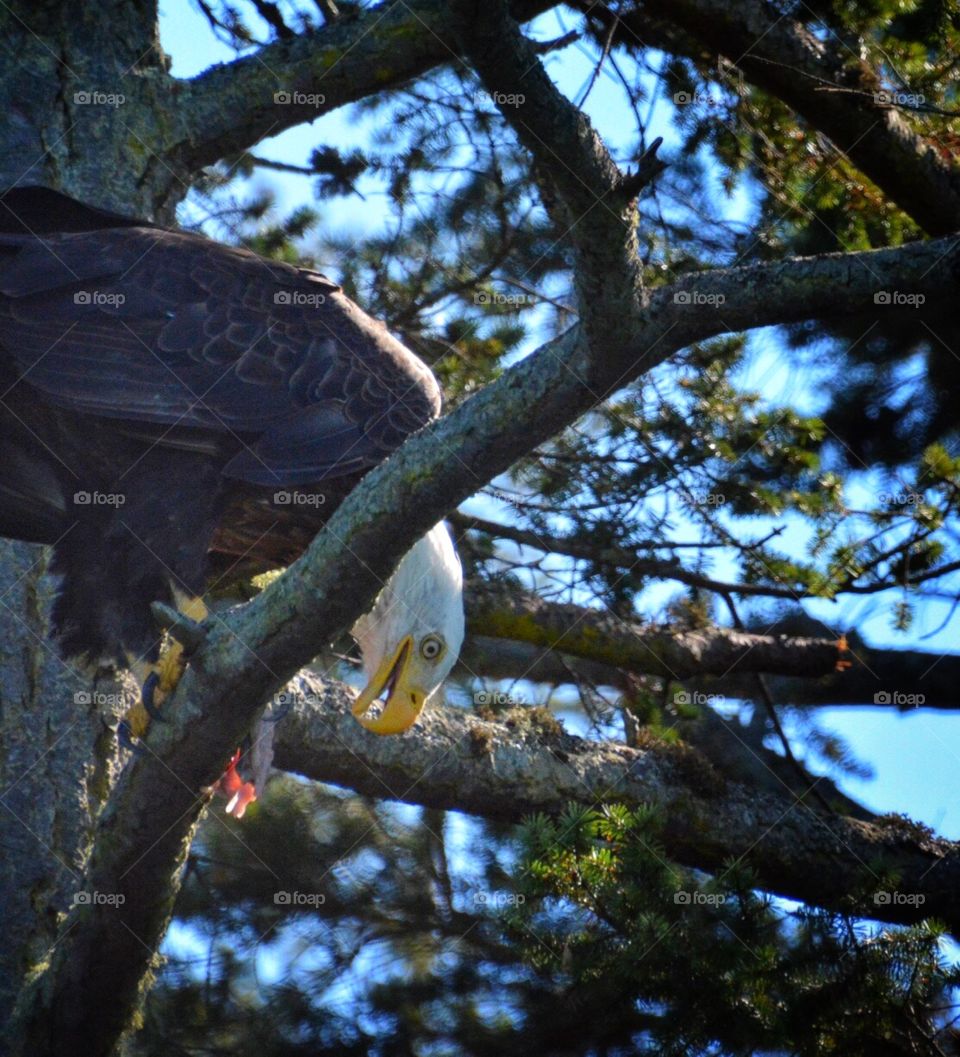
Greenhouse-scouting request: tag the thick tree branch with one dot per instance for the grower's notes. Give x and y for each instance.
(515, 767)
(896, 679)
(230, 107)
(737, 751)
(669, 652)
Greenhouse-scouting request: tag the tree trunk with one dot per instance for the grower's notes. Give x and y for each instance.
(82, 110)
(58, 757)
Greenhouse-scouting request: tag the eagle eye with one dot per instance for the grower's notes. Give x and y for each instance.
(431, 647)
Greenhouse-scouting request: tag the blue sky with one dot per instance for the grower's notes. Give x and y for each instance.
(916, 755)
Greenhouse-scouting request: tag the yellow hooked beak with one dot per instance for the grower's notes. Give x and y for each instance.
(404, 701)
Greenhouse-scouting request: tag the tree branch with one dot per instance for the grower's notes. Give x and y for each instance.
(784, 57)
(672, 569)
(515, 767)
(904, 680)
(595, 202)
(669, 652)
(229, 107)
(879, 678)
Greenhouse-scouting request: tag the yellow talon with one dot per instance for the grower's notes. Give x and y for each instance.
(158, 680)
(169, 670)
(137, 719)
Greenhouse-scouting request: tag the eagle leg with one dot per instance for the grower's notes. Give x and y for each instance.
(157, 683)
(158, 680)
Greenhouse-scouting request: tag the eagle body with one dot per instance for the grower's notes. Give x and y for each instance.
(162, 396)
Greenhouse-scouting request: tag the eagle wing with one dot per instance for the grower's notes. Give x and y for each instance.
(174, 333)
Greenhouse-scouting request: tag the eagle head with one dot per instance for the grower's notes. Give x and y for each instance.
(412, 636)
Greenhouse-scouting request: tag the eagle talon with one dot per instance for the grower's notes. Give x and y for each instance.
(148, 697)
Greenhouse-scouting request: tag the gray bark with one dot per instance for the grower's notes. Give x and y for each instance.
(673, 653)
(89, 108)
(524, 763)
(58, 762)
(86, 103)
(528, 638)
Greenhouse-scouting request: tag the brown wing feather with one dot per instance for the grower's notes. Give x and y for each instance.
(169, 328)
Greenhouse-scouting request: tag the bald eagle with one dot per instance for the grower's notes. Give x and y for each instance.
(162, 397)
